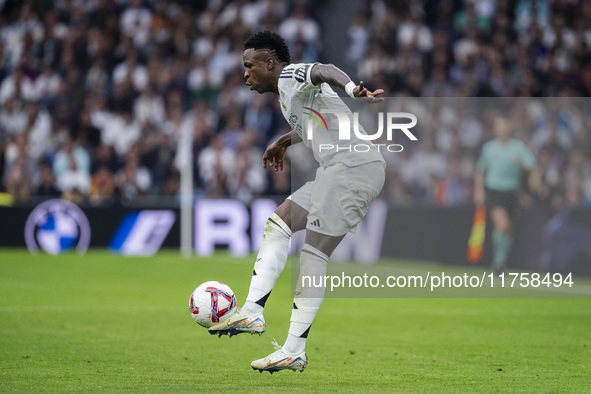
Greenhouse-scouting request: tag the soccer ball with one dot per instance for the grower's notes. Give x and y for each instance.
(212, 303)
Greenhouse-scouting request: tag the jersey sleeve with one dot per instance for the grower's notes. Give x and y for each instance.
(298, 78)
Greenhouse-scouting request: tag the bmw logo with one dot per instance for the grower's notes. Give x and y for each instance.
(57, 226)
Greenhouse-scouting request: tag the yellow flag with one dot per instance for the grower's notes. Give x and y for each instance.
(476, 241)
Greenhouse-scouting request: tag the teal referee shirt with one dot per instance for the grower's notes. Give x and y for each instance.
(497, 161)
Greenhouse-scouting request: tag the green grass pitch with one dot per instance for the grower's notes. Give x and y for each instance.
(105, 323)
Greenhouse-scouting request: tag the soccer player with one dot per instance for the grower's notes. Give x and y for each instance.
(328, 207)
(500, 168)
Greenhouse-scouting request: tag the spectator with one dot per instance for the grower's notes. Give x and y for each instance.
(17, 183)
(102, 188)
(424, 169)
(249, 178)
(413, 33)
(19, 168)
(216, 163)
(172, 185)
(135, 23)
(131, 70)
(15, 35)
(121, 131)
(300, 26)
(138, 75)
(148, 108)
(88, 135)
(13, 118)
(106, 157)
(241, 12)
(528, 12)
(159, 158)
(38, 130)
(47, 84)
(71, 168)
(358, 34)
(47, 187)
(133, 179)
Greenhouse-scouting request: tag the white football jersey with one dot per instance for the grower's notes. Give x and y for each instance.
(302, 104)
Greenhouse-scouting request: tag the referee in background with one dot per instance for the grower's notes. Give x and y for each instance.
(503, 162)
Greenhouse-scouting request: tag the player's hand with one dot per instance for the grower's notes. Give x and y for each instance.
(274, 155)
(361, 93)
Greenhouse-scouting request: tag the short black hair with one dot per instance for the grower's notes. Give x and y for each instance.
(271, 41)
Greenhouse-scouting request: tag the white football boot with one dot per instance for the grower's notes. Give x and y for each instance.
(238, 323)
(279, 360)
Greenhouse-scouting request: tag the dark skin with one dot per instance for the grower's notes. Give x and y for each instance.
(262, 71)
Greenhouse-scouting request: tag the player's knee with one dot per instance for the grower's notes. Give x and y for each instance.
(324, 243)
(503, 225)
(283, 212)
(270, 227)
(275, 226)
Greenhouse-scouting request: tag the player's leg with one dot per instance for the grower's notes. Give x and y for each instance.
(313, 263)
(501, 237)
(269, 265)
(337, 205)
(336, 209)
(288, 218)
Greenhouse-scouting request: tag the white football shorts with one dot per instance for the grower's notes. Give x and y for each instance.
(339, 197)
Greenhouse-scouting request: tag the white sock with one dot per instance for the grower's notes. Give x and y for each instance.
(307, 300)
(269, 264)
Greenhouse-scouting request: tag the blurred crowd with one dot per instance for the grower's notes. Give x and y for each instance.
(478, 49)
(96, 94)
(439, 168)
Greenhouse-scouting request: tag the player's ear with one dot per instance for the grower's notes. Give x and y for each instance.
(270, 63)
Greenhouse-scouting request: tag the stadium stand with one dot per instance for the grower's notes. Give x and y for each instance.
(94, 94)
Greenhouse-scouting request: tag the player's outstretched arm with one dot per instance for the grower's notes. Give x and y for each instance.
(275, 152)
(333, 76)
